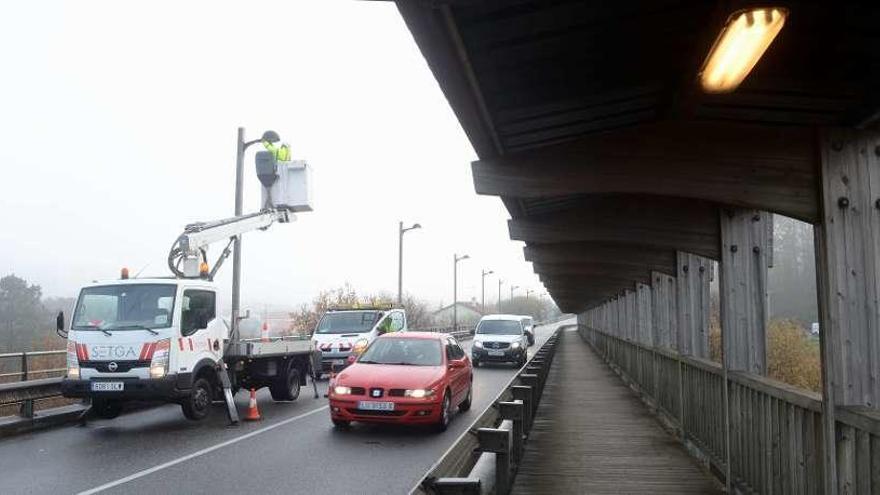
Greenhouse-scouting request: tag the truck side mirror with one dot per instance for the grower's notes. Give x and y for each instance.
(59, 325)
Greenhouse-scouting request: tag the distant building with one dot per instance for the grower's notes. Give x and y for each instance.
(468, 314)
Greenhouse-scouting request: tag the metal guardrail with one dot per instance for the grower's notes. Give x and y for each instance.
(485, 458)
(29, 389)
(25, 359)
(461, 332)
(775, 430)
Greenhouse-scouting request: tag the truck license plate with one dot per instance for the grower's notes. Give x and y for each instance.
(108, 386)
(376, 406)
(496, 353)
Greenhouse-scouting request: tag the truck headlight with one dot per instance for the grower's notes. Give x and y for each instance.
(159, 362)
(418, 393)
(72, 361)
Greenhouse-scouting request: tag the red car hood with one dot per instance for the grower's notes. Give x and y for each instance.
(390, 376)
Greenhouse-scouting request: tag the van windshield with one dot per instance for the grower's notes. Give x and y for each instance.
(124, 307)
(347, 322)
(500, 327)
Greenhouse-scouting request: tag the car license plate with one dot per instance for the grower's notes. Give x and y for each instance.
(375, 406)
(496, 353)
(337, 362)
(108, 386)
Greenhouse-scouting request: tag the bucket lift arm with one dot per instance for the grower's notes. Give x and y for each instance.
(190, 248)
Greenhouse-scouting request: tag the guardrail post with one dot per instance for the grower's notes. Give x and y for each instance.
(24, 367)
(457, 486)
(497, 441)
(26, 410)
(524, 395)
(532, 381)
(514, 412)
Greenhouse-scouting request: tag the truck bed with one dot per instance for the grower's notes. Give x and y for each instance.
(256, 348)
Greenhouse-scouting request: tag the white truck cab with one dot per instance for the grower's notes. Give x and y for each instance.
(143, 339)
(341, 333)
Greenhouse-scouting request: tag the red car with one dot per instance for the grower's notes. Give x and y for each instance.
(406, 378)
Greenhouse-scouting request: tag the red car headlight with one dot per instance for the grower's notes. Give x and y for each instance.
(418, 393)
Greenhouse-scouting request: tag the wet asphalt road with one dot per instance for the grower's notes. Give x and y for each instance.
(294, 449)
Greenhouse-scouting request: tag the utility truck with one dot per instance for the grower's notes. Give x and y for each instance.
(162, 339)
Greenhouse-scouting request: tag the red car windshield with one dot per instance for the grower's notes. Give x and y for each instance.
(403, 351)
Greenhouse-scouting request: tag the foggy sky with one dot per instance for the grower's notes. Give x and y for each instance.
(118, 128)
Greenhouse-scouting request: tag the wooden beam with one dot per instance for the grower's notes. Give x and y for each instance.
(434, 30)
(611, 254)
(743, 289)
(654, 222)
(593, 271)
(762, 167)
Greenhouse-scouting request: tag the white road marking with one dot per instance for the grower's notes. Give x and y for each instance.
(145, 472)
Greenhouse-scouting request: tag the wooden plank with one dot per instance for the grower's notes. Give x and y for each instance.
(645, 319)
(741, 165)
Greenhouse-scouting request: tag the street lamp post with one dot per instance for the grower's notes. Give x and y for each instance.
(456, 259)
(400, 232)
(512, 288)
(483, 289)
(529, 291)
(242, 146)
(499, 294)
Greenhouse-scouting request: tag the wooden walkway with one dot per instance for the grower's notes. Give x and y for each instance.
(593, 435)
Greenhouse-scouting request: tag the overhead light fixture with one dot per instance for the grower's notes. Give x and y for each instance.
(743, 40)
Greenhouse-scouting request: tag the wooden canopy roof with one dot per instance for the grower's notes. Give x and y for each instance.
(590, 124)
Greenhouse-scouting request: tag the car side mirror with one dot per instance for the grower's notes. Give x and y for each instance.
(59, 325)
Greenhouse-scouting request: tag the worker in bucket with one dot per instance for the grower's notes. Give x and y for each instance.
(281, 153)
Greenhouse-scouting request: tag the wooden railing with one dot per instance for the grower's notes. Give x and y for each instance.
(774, 430)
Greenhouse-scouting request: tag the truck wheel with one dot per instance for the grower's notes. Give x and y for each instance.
(197, 404)
(106, 409)
(287, 387)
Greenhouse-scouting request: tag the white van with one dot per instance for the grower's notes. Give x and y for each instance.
(341, 333)
(529, 327)
(500, 338)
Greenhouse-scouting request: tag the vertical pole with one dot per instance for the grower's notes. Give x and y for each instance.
(236, 248)
(454, 292)
(24, 367)
(483, 292)
(400, 264)
(499, 295)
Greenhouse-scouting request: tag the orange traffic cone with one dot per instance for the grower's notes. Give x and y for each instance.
(253, 413)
